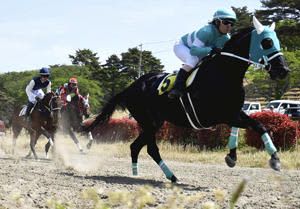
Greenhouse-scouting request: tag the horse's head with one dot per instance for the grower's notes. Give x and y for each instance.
(84, 105)
(265, 48)
(54, 105)
(80, 104)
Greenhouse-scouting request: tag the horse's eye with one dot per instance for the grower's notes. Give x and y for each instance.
(267, 43)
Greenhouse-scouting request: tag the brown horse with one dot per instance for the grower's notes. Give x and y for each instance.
(72, 118)
(43, 120)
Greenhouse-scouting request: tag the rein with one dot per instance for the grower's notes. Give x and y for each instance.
(50, 105)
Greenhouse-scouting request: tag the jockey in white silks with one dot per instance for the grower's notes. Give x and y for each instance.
(34, 89)
(192, 47)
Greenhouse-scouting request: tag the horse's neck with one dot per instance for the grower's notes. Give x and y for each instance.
(73, 110)
(234, 67)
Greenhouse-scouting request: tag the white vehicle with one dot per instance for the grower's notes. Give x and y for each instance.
(251, 107)
(280, 106)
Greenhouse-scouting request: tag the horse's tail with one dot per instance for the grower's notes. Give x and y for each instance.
(108, 110)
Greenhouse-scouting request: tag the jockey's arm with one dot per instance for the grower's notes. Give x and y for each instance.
(76, 91)
(48, 90)
(29, 88)
(200, 52)
(200, 46)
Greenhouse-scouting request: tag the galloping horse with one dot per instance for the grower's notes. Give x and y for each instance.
(43, 120)
(219, 78)
(72, 118)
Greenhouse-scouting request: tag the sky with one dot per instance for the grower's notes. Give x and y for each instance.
(39, 33)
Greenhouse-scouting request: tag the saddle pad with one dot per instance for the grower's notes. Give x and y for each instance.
(168, 82)
(23, 111)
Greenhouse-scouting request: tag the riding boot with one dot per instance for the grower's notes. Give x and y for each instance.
(180, 84)
(29, 107)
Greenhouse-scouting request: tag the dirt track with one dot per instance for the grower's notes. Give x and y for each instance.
(27, 183)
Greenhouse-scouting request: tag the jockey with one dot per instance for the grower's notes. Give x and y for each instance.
(192, 47)
(67, 89)
(34, 89)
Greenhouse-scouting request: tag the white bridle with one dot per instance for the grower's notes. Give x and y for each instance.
(266, 59)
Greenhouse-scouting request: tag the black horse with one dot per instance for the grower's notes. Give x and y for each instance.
(219, 78)
(43, 120)
(72, 118)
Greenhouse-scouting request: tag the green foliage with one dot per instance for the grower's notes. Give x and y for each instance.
(85, 57)
(130, 62)
(244, 18)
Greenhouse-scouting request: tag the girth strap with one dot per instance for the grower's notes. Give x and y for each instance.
(193, 112)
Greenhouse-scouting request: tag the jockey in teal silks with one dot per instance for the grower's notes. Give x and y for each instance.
(192, 47)
(34, 89)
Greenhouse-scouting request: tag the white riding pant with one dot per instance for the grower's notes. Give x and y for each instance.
(35, 93)
(183, 53)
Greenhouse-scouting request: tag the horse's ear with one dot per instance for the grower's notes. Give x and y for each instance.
(272, 27)
(258, 26)
(88, 95)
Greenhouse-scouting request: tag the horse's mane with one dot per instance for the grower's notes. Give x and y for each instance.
(238, 35)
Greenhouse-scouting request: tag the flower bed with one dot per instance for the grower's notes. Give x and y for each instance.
(283, 131)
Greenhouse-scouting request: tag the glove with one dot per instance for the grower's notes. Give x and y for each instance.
(37, 99)
(215, 50)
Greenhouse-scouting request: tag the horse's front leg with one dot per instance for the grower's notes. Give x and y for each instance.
(74, 138)
(89, 144)
(249, 123)
(33, 139)
(231, 158)
(50, 142)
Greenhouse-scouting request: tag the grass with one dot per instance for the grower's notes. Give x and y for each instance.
(247, 156)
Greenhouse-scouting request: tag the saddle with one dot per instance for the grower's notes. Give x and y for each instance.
(36, 105)
(168, 82)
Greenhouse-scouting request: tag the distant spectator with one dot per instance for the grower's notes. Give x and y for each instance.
(272, 108)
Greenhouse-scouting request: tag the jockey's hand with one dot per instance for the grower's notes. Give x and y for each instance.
(215, 50)
(38, 99)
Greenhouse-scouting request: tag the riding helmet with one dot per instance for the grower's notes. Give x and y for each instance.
(224, 14)
(44, 71)
(73, 80)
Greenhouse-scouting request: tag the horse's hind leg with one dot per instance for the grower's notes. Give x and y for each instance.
(135, 149)
(147, 137)
(16, 132)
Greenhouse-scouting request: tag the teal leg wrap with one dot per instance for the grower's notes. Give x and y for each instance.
(233, 139)
(135, 169)
(165, 169)
(268, 144)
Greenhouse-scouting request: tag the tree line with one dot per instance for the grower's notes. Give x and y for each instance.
(103, 80)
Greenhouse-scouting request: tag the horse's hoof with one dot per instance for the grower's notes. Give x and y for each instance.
(174, 179)
(229, 161)
(82, 152)
(275, 164)
(89, 145)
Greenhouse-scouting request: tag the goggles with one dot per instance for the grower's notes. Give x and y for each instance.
(227, 22)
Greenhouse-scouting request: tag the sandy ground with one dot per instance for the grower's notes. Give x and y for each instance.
(29, 183)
